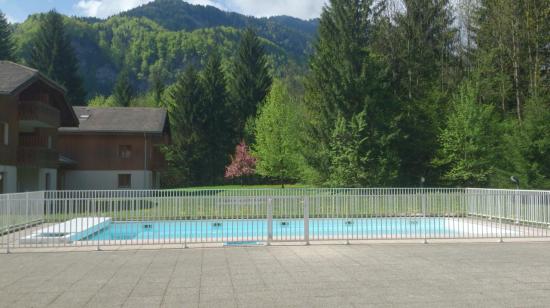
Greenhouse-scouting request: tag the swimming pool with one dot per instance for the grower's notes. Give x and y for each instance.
(219, 230)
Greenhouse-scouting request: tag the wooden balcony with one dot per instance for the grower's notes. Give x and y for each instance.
(34, 114)
(37, 157)
(33, 141)
(6, 155)
(37, 151)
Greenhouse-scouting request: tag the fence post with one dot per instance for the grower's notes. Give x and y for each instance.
(500, 216)
(269, 221)
(9, 224)
(424, 195)
(516, 201)
(306, 220)
(97, 209)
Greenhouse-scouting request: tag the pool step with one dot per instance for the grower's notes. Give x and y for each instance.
(243, 244)
(68, 231)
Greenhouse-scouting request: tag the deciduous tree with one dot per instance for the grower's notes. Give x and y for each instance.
(468, 141)
(277, 145)
(242, 163)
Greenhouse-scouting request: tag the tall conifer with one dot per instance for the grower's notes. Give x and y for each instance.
(188, 118)
(345, 90)
(7, 48)
(123, 93)
(424, 79)
(251, 80)
(53, 55)
(218, 123)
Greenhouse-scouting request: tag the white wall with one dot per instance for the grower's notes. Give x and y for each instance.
(34, 179)
(42, 179)
(10, 178)
(27, 179)
(105, 180)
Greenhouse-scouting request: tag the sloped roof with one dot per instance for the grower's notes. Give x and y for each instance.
(119, 120)
(15, 76)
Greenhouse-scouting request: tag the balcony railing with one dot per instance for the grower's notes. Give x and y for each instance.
(39, 112)
(33, 141)
(6, 155)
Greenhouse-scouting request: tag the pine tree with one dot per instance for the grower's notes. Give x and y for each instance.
(157, 84)
(189, 150)
(534, 144)
(7, 47)
(250, 82)
(468, 141)
(217, 125)
(53, 55)
(346, 80)
(422, 66)
(123, 93)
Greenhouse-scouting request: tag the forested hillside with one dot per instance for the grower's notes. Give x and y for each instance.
(165, 36)
(292, 34)
(386, 93)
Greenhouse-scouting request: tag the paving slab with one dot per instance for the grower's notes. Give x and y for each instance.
(367, 275)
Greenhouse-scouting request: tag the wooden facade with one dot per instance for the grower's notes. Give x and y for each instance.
(9, 121)
(123, 151)
(40, 134)
(32, 108)
(114, 148)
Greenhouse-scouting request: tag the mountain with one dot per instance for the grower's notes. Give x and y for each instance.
(179, 15)
(164, 36)
(292, 34)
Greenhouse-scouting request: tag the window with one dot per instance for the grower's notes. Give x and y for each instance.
(124, 181)
(48, 180)
(2, 180)
(4, 133)
(124, 151)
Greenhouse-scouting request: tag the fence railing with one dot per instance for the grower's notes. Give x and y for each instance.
(248, 216)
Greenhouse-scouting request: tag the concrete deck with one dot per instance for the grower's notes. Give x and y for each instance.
(385, 275)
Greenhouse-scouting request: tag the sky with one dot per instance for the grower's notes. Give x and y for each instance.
(18, 10)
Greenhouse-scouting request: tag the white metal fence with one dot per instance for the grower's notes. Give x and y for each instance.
(247, 216)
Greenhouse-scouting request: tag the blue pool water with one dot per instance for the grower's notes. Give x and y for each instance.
(258, 229)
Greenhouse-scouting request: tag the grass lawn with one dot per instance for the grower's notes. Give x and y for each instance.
(236, 202)
(236, 187)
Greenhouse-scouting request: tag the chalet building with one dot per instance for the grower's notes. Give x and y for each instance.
(113, 148)
(32, 108)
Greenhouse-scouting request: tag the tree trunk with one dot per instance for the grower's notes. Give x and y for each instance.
(537, 66)
(409, 68)
(502, 70)
(516, 69)
(502, 90)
